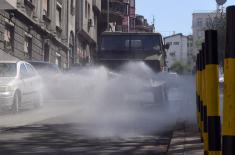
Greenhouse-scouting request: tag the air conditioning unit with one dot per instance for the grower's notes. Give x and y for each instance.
(90, 23)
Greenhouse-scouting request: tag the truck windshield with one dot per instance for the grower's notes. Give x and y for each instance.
(7, 69)
(130, 45)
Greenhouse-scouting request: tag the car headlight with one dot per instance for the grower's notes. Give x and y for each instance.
(4, 89)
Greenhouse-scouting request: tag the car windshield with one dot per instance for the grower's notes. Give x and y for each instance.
(7, 69)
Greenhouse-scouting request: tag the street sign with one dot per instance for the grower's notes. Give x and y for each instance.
(221, 2)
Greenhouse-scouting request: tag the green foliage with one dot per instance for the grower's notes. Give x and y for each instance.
(219, 23)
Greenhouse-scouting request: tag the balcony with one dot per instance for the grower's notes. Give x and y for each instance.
(142, 24)
(119, 1)
(117, 10)
(96, 4)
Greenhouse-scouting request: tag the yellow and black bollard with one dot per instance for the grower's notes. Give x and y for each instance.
(200, 93)
(204, 102)
(197, 94)
(198, 103)
(212, 93)
(228, 138)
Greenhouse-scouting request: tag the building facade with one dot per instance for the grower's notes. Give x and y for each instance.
(122, 14)
(39, 30)
(142, 25)
(87, 16)
(179, 50)
(201, 21)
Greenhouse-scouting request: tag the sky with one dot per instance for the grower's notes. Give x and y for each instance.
(174, 15)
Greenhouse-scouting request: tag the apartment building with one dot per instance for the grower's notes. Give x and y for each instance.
(200, 22)
(180, 49)
(87, 15)
(121, 15)
(40, 30)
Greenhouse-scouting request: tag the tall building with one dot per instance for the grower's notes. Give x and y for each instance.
(87, 16)
(201, 22)
(121, 15)
(39, 30)
(180, 49)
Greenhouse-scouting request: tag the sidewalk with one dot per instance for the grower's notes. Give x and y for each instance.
(186, 141)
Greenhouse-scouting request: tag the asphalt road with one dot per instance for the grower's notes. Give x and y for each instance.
(51, 130)
(68, 127)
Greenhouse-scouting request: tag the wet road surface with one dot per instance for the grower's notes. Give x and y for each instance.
(64, 139)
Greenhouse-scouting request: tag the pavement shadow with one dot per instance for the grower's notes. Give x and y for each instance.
(186, 144)
(63, 139)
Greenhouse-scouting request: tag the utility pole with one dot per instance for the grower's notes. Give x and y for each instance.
(153, 23)
(107, 15)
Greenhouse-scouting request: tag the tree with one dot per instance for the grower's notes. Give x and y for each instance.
(219, 23)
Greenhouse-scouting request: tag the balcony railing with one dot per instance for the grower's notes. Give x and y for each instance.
(116, 7)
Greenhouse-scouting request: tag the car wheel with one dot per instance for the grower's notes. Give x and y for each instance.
(16, 103)
(38, 100)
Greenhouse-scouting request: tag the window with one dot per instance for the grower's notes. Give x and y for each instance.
(86, 9)
(132, 23)
(72, 9)
(46, 53)
(89, 11)
(29, 3)
(23, 71)
(58, 60)
(199, 22)
(132, 3)
(176, 43)
(95, 22)
(58, 14)
(45, 7)
(8, 70)
(31, 71)
(28, 46)
(9, 38)
(172, 54)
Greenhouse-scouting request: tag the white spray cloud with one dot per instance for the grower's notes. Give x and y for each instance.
(118, 104)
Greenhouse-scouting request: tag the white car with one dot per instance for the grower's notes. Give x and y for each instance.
(20, 85)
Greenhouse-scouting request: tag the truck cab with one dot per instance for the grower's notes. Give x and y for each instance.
(117, 48)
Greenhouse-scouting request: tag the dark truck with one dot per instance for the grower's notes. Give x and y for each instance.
(118, 48)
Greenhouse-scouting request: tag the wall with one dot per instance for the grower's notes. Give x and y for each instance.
(177, 52)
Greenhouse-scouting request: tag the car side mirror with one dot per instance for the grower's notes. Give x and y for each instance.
(166, 46)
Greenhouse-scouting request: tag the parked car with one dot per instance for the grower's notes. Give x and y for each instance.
(20, 85)
(50, 74)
